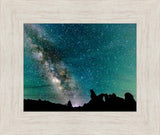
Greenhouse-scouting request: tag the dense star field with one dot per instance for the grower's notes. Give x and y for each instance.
(64, 61)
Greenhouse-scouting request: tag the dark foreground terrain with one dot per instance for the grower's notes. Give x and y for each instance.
(102, 102)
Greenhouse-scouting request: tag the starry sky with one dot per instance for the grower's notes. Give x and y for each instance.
(64, 61)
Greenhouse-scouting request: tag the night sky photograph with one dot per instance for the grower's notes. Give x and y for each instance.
(80, 67)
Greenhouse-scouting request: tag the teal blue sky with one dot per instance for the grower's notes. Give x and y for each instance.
(64, 61)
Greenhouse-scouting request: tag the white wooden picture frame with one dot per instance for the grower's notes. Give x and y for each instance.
(14, 121)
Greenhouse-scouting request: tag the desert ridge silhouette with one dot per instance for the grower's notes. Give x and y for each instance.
(101, 102)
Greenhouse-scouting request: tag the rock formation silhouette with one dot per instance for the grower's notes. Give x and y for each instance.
(93, 95)
(69, 104)
(101, 102)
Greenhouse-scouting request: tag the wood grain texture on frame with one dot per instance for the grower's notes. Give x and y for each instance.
(14, 13)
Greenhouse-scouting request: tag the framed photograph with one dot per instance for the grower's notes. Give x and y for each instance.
(64, 63)
(79, 67)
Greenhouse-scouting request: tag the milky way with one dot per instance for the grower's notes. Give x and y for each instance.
(63, 61)
(53, 68)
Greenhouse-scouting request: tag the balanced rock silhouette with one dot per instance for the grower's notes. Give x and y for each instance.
(93, 95)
